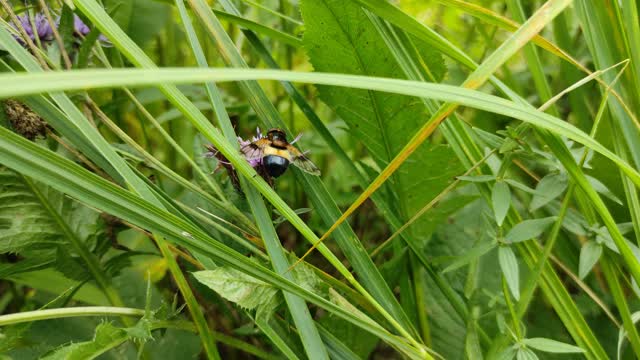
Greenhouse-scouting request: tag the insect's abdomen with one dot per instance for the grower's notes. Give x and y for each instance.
(275, 165)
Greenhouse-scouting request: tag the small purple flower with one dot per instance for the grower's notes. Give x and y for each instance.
(42, 28)
(213, 152)
(81, 29)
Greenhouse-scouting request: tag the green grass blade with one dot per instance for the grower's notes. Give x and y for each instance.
(26, 84)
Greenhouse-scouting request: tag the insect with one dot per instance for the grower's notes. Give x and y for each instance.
(269, 155)
(274, 154)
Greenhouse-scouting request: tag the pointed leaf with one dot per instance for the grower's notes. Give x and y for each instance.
(552, 346)
(549, 188)
(589, 255)
(509, 266)
(501, 201)
(526, 354)
(529, 229)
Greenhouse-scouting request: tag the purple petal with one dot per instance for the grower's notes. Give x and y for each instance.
(79, 27)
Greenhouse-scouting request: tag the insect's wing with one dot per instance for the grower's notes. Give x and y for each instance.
(298, 159)
(255, 150)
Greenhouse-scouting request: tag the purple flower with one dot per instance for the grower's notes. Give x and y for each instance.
(213, 152)
(42, 28)
(81, 29)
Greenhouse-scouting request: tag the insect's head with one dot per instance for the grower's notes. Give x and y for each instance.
(276, 135)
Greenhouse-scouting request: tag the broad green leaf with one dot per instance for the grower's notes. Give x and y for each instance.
(382, 122)
(529, 229)
(501, 201)
(509, 266)
(549, 188)
(552, 346)
(589, 255)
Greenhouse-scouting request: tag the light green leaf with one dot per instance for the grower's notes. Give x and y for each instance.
(549, 188)
(509, 266)
(501, 201)
(526, 354)
(477, 178)
(529, 229)
(552, 346)
(507, 354)
(519, 185)
(589, 255)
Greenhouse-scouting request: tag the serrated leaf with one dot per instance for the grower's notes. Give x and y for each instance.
(383, 123)
(552, 346)
(589, 256)
(509, 266)
(501, 201)
(106, 337)
(549, 188)
(240, 288)
(528, 229)
(26, 223)
(477, 178)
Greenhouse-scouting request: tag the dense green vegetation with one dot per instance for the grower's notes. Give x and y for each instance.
(477, 195)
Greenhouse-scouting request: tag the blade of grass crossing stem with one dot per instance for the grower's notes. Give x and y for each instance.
(70, 178)
(457, 134)
(309, 334)
(324, 204)
(542, 17)
(262, 105)
(131, 179)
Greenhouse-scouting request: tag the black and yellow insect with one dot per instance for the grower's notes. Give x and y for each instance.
(274, 153)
